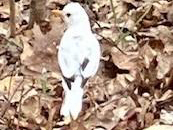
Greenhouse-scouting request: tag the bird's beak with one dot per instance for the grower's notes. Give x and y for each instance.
(59, 13)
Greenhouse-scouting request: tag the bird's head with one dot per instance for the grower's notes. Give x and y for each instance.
(75, 14)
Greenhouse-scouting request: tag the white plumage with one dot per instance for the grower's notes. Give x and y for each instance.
(78, 56)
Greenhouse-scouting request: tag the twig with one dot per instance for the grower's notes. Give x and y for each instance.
(108, 40)
(114, 15)
(112, 43)
(146, 12)
(11, 42)
(11, 77)
(7, 106)
(12, 18)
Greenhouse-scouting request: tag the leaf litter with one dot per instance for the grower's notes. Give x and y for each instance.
(132, 89)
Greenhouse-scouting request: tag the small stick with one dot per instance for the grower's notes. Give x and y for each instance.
(12, 18)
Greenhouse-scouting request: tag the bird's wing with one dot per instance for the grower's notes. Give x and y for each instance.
(93, 57)
(78, 55)
(69, 56)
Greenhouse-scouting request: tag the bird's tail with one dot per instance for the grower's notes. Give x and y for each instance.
(72, 104)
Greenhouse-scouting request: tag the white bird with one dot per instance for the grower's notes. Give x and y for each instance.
(78, 56)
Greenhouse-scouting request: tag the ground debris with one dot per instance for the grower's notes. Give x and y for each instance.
(132, 89)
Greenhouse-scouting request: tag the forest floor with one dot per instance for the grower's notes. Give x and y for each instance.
(133, 89)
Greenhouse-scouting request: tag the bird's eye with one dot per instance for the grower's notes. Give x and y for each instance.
(68, 14)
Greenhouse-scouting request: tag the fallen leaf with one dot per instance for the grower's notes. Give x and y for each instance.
(166, 117)
(159, 127)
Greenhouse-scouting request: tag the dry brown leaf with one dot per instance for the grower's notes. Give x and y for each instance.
(168, 48)
(100, 3)
(74, 125)
(4, 30)
(31, 108)
(107, 33)
(129, 1)
(27, 51)
(63, 2)
(145, 36)
(130, 24)
(43, 49)
(5, 7)
(168, 94)
(12, 86)
(5, 84)
(119, 84)
(162, 6)
(159, 127)
(123, 61)
(120, 10)
(164, 65)
(147, 53)
(149, 119)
